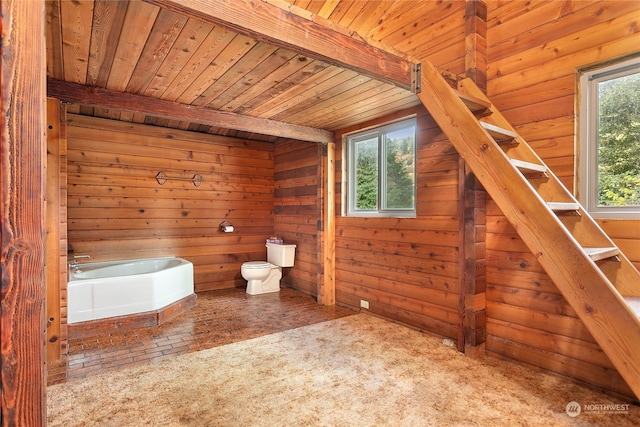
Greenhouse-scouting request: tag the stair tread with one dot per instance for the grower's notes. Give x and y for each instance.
(528, 166)
(477, 106)
(499, 134)
(563, 206)
(597, 254)
(586, 287)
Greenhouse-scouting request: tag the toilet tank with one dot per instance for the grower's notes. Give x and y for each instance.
(281, 255)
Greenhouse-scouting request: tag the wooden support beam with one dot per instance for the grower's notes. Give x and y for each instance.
(284, 25)
(327, 291)
(53, 243)
(472, 204)
(23, 147)
(473, 265)
(475, 42)
(105, 98)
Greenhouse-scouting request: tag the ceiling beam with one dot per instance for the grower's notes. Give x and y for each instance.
(105, 98)
(284, 25)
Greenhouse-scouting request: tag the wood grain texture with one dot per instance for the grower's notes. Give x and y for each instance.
(139, 48)
(534, 47)
(23, 213)
(327, 294)
(406, 268)
(174, 111)
(541, 103)
(56, 255)
(117, 209)
(280, 27)
(298, 210)
(472, 203)
(586, 288)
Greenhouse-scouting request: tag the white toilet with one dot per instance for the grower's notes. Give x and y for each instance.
(264, 276)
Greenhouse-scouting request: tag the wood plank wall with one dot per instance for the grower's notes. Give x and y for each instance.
(406, 268)
(117, 209)
(298, 210)
(534, 50)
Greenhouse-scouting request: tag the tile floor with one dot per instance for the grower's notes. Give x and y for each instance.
(218, 318)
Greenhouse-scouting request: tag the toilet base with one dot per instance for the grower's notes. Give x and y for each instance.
(258, 289)
(269, 285)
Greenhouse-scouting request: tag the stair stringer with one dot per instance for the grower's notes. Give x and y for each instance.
(621, 272)
(600, 306)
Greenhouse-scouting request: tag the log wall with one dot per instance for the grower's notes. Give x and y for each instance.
(534, 51)
(407, 268)
(298, 202)
(117, 209)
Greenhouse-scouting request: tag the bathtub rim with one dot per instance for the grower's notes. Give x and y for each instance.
(91, 266)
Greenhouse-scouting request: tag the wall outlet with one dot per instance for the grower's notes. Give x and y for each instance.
(364, 304)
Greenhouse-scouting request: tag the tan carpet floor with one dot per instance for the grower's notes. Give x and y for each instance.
(359, 370)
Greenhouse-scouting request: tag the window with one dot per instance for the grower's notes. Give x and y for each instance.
(609, 156)
(381, 171)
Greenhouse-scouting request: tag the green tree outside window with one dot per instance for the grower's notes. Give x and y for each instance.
(619, 141)
(382, 171)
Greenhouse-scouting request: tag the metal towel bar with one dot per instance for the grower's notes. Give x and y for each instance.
(161, 177)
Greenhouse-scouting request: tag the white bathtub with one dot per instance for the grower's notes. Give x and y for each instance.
(100, 290)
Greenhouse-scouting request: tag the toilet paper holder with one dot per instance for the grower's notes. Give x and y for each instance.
(226, 227)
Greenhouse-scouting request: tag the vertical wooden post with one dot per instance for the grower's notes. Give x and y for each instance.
(52, 229)
(327, 291)
(472, 301)
(473, 262)
(475, 42)
(23, 159)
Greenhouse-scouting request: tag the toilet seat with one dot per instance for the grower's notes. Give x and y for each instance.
(257, 264)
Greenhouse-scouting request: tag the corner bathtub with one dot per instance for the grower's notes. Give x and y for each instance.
(101, 290)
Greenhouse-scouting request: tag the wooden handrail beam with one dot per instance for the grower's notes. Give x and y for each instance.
(105, 98)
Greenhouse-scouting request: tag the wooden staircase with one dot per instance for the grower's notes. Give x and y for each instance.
(593, 275)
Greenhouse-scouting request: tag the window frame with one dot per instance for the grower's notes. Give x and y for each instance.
(378, 132)
(587, 158)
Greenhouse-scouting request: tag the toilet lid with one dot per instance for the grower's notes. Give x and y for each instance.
(256, 264)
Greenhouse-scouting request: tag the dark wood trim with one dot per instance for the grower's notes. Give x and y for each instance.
(462, 254)
(472, 203)
(473, 262)
(105, 98)
(476, 42)
(23, 160)
(300, 31)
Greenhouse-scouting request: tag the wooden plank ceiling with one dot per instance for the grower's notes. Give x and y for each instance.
(145, 50)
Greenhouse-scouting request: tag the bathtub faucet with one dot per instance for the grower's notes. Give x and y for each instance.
(75, 264)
